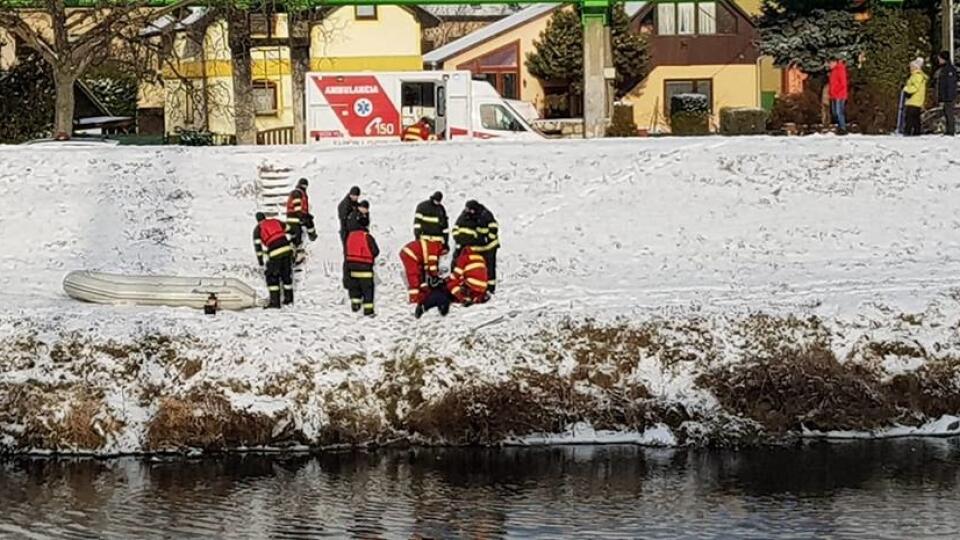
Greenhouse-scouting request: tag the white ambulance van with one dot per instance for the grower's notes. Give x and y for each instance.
(368, 107)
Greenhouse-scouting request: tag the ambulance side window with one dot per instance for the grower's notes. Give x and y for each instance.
(498, 118)
(441, 101)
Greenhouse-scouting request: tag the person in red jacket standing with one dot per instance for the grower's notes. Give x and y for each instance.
(361, 251)
(272, 245)
(838, 93)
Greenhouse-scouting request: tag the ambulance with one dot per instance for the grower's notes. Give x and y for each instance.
(371, 107)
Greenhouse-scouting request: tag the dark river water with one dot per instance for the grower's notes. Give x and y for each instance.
(900, 489)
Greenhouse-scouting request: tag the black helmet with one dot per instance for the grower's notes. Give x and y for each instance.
(303, 182)
(261, 216)
(473, 206)
(363, 204)
(437, 197)
(355, 191)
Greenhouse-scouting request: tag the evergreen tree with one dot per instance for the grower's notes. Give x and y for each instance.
(558, 54)
(808, 38)
(26, 100)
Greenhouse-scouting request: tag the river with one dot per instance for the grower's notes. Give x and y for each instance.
(880, 489)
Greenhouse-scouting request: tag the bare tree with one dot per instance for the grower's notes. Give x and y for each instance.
(71, 40)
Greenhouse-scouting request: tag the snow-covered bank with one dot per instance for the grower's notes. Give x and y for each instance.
(727, 288)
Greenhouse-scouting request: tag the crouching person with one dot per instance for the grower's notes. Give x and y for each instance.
(421, 264)
(274, 251)
(468, 283)
(360, 253)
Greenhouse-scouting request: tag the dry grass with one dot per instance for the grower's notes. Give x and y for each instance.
(205, 419)
(57, 417)
(528, 402)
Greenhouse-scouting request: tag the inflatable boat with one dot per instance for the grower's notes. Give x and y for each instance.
(117, 289)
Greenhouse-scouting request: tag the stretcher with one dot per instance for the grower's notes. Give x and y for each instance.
(118, 289)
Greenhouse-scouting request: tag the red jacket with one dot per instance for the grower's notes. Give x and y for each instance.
(468, 282)
(298, 203)
(421, 259)
(838, 81)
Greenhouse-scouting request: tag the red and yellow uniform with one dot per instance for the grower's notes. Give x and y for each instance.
(468, 282)
(274, 250)
(421, 260)
(417, 132)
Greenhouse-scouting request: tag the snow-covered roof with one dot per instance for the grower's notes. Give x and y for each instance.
(632, 8)
(162, 24)
(472, 39)
(454, 11)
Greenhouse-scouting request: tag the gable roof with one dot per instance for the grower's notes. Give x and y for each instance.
(732, 4)
(453, 12)
(490, 31)
(504, 25)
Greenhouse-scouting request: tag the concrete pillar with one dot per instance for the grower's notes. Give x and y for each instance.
(597, 66)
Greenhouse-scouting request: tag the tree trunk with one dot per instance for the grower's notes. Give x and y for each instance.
(65, 103)
(243, 110)
(299, 66)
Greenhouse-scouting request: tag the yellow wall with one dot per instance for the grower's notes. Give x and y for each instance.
(752, 7)
(733, 86)
(390, 43)
(8, 49)
(530, 88)
(395, 32)
(770, 76)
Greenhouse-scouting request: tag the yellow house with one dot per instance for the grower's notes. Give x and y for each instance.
(695, 46)
(701, 47)
(198, 74)
(497, 53)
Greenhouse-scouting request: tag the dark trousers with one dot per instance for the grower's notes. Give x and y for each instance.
(948, 117)
(296, 234)
(358, 280)
(911, 120)
(490, 257)
(280, 270)
(439, 298)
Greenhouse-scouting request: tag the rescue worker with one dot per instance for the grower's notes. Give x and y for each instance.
(467, 283)
(346, 207)
(272, 245)
(421, 131)
(430, 221)
(476, 227)
(421, 264)
(299, 217)
(360, 253)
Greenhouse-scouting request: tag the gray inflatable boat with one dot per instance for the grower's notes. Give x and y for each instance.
(118, 289)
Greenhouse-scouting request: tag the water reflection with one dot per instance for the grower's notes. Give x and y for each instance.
(892, 489)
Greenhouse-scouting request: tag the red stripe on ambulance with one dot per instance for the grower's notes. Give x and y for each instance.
(361, 105)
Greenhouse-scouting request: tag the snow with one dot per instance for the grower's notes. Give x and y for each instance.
(584, 433)
(945, 426)
(857, 231)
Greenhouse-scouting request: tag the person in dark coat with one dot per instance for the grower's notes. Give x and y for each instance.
(346, 207)
(430, 221)
(476, 227)
(947, 89)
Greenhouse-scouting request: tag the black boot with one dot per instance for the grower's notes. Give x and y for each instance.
(288, 296)
(418, 312)
(274, 299)
(354, 306)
